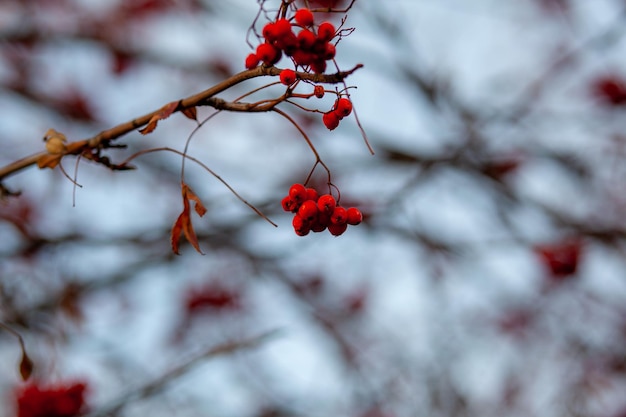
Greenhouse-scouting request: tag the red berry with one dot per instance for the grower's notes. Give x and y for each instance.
(326, 204)
(287, 76)
(268, 53)
(326, 31)
(252, 61)
(304, 17)
(331, 120)
(308, 210)
(329, 51)
(320, 223)
(283, 28)
(318, 91)
(288, 43)
(306, 39)
(270, 33)
(343, 107)
(339, 216)
(318, 66)
(300, 226)
(290, 204)
(337, 229)
(298, 192)
(311, 194)
(302, 58)
(354, 216)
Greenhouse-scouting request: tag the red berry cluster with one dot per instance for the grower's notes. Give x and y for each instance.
(341, 109)
(60, 401)
(317, 213)
(310, 47)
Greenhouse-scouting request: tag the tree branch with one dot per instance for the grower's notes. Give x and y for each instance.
(204, 98)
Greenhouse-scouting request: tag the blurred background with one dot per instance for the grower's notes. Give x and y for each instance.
(487, 279)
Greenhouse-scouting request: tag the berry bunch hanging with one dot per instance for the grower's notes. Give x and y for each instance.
(316, 213)
(309, 46)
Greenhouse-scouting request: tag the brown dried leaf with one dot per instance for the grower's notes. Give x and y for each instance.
(191, 113)
(164, 113)
(49, 161)
(183, 222)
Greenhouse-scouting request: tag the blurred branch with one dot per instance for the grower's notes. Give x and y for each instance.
(170, 376)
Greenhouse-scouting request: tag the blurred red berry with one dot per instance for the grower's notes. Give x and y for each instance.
(326, 204)
(611, 90)
(331, 120)
(298, 193)
(268, 54)
(354, 216)
(252, 61)
(318, 91)
(308, 210)
(304, 17)
(300, 226)
(311, 194)
(337, 229)
(326, 31)
(343, 107)
(339, 216)
(287, 76)
(560, 259)
(66, 400)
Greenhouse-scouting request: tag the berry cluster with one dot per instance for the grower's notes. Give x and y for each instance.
(317, 213)
(310, 47)
(57, 401)
(341, 109)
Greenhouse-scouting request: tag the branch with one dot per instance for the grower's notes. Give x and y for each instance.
(204, 98)
(161, 382)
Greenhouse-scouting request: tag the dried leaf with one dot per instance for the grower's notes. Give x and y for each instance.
(55, 142)
(26, 366)
(183, 222)
(49, 161)
(191, 113)
(164, 113)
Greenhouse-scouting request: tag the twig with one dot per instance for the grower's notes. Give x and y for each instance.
(170, 376)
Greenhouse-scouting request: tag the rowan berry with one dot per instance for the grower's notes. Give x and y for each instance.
(329, 51)
(339, 216)
(302, 58)
(283, 28)
(268, 53)
(320, 223)
(287, 76)
(318, 91)
(326, 31)
(298, 193)
(270, 32)
(337, 229)
(306, 39)
(343, 107)
(304, 17)
(252, 61)
(318, 66)
(331, 120)
(326, 204)
(289, 204)
(308, 210)
(311, 194)
(300, 226)
(354, 216)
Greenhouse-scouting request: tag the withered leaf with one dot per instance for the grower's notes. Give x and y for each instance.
(183, 223)
(49, 161)
(164, 113)
(191, 113)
